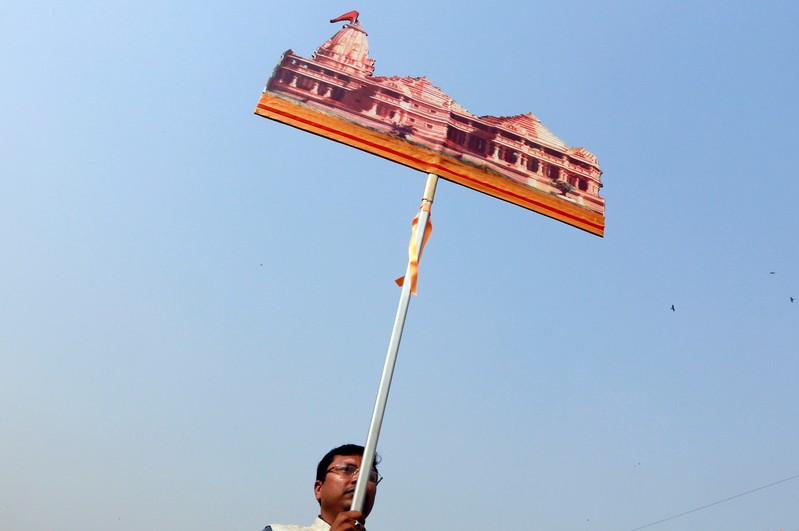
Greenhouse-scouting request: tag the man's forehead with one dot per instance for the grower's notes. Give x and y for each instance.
(356, 459)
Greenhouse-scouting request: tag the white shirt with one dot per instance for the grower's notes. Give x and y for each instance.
(318, 525)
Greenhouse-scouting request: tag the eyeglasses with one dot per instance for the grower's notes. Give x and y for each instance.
(347, 469)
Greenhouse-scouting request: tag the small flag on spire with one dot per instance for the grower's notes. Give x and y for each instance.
(352, 16)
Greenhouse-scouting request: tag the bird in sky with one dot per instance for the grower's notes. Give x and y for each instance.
(791, 299)
(672, 308)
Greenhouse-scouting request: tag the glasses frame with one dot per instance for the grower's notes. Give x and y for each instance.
(374, 475)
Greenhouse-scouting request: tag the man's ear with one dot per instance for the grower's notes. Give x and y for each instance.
(317, 490)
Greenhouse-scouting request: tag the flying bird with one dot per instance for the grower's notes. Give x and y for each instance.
(352, 16)
(672, 308)
(791, 299)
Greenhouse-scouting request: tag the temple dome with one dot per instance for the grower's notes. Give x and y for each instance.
(348, 51)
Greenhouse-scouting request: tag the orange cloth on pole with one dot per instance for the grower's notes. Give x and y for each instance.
(414, 252)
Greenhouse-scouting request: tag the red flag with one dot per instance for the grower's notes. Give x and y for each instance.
(352, 16)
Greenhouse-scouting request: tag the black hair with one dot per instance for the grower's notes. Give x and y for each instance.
(344, 449)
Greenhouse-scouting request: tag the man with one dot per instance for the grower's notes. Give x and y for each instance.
(336, 476)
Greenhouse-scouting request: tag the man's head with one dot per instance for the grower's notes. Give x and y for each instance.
(336, 476)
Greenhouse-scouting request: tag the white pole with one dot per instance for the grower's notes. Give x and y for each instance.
(370, 448)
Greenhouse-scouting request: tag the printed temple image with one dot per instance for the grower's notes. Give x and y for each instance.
(412, 121)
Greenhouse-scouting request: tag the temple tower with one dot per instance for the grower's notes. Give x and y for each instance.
(347, 51)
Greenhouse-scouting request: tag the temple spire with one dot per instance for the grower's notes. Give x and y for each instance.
(348, 49)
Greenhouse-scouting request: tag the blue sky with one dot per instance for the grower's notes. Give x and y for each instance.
(196, 302)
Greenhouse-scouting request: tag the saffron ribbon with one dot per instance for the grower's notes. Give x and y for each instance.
(415, 252)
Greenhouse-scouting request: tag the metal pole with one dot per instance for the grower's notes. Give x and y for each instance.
(370, 448)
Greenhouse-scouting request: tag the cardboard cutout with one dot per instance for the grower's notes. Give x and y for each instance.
(413, 122)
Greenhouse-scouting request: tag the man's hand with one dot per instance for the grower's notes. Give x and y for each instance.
(348, 521)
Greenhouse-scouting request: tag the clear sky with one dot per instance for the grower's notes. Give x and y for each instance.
(195, 302)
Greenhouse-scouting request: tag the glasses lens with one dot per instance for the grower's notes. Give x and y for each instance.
(347, 470)
(351, 470)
